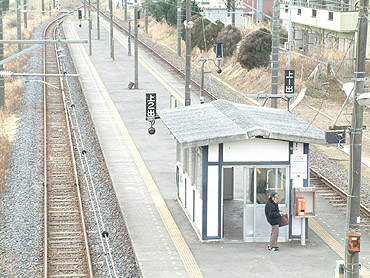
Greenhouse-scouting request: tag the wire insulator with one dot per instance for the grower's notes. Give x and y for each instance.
(5, 73)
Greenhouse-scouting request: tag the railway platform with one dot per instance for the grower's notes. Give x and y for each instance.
(142, 169)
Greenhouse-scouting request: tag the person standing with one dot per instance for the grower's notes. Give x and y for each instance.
(273, 216)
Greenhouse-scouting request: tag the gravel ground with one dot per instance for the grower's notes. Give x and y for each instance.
(20, 216)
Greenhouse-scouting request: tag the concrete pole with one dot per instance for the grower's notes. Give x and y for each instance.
(84, 9)
(146, 15)
(290, 33)
(179, 28)
(2, 79)
(233, 13)
(25, 14)
(43, 6)
(352, 262)
(228, 20)
(111, 29)
(188, 54)
(275, 52)
(19, 32)
(136, 47)
(98, 18)
(201, 99)
(125, 10)
(53, 4)
(90, 27)
(129, 38)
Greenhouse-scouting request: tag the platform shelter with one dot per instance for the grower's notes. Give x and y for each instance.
(230, 157)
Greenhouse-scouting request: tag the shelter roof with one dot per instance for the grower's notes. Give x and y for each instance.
(223, 121)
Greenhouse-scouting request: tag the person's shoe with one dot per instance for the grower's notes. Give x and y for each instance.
(268, 247)
(276, 249)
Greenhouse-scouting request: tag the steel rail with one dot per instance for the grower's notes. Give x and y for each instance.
(338, 190)
(46, 170)
(74, 163)
(81, 150)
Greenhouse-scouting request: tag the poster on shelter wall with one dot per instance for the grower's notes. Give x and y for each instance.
(298, 166)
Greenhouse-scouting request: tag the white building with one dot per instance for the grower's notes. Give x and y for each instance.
(230, 157)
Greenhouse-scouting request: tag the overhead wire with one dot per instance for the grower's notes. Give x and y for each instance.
(333, 78)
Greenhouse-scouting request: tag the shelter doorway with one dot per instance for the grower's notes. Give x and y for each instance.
(245, 193)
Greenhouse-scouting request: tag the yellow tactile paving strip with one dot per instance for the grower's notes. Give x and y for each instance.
(333, 244)
(174, 232)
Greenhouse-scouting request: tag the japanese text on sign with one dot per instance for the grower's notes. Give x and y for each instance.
(289, 82)
(298, 166)
(151, 106)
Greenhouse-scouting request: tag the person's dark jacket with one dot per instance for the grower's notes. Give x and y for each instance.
(272, 212)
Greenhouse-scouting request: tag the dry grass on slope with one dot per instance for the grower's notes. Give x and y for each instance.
(13, 86)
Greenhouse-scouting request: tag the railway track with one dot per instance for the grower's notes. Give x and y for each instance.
(120, 25)
(336, 196)
(66, 250)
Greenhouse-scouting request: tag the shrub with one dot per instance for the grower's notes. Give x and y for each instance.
(203, 33)
(229, 36)
(255, 49)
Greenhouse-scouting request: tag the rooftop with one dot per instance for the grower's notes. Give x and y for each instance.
(223, 121)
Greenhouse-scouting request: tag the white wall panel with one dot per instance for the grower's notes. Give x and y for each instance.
(212, 202)
(189, 199)
(198, 212)
(256, 150)
(213, 153)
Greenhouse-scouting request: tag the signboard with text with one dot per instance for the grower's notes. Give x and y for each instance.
(151, 106)
(298, 166)
(289, 82)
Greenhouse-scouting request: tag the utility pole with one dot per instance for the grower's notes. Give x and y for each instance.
(233, 13)
(25, 14)
(136, 46)
(179, 28)
(84, 9)
(111, 29)
(43, 6)
(146, 15)
(352, 263)
(19, 33)
(125, 10)
(188, 27)
(98, 18)
(2, 79)
(290, 33)
(275, 52)
(129, 37)
(90, 27)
